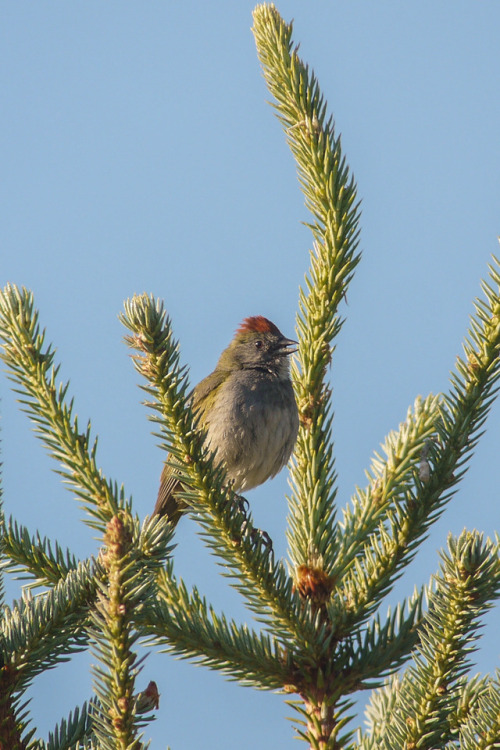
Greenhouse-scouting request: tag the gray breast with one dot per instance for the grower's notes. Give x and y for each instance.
(253, 427)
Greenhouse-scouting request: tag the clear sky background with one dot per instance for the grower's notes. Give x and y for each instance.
(138, 153)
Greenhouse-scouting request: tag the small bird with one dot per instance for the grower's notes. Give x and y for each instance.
(247, 408)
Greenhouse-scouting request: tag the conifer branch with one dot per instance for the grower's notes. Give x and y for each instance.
(466, 703)
(481, 731)
(389, 479)
(322, 722)
(330, 195)
(115, 720)
(421, 707)
(378, 651)
(378, 514)
(227, 529)
(30, 365)
(13, 721)
(378, 715)
(184, 624)
(12, 714)
(474, 384)
(149, 549)
(32, 557)
(40, 631)
(2, 556)
(131, 559)
(74, 733)
(462, 413)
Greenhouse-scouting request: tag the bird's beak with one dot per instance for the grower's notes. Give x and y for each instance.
(287, 346)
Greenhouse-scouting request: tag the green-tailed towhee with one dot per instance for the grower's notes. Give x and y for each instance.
(248, 410)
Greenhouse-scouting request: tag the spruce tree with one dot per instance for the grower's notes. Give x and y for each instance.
(317, 634)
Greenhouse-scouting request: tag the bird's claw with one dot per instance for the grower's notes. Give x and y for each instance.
(263, 539)
(242, 504)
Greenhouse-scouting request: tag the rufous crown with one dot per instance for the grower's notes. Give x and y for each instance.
(258, 324)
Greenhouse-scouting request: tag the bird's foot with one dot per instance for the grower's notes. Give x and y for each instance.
(257, 536)
(242, 504)
(263, 540)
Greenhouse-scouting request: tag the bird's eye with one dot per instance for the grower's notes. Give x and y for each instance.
(258, 344)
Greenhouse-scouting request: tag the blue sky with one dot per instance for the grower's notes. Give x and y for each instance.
(138, 153)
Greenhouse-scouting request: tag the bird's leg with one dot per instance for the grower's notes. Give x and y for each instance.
(240, 503)
(243, 506)
(262, 539)
(257, 536)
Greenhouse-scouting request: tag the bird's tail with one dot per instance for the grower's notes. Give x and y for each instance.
(167, 504)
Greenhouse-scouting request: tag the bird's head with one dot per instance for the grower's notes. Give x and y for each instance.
(259, 345)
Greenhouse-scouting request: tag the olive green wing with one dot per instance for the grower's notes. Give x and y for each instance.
(167, 504)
